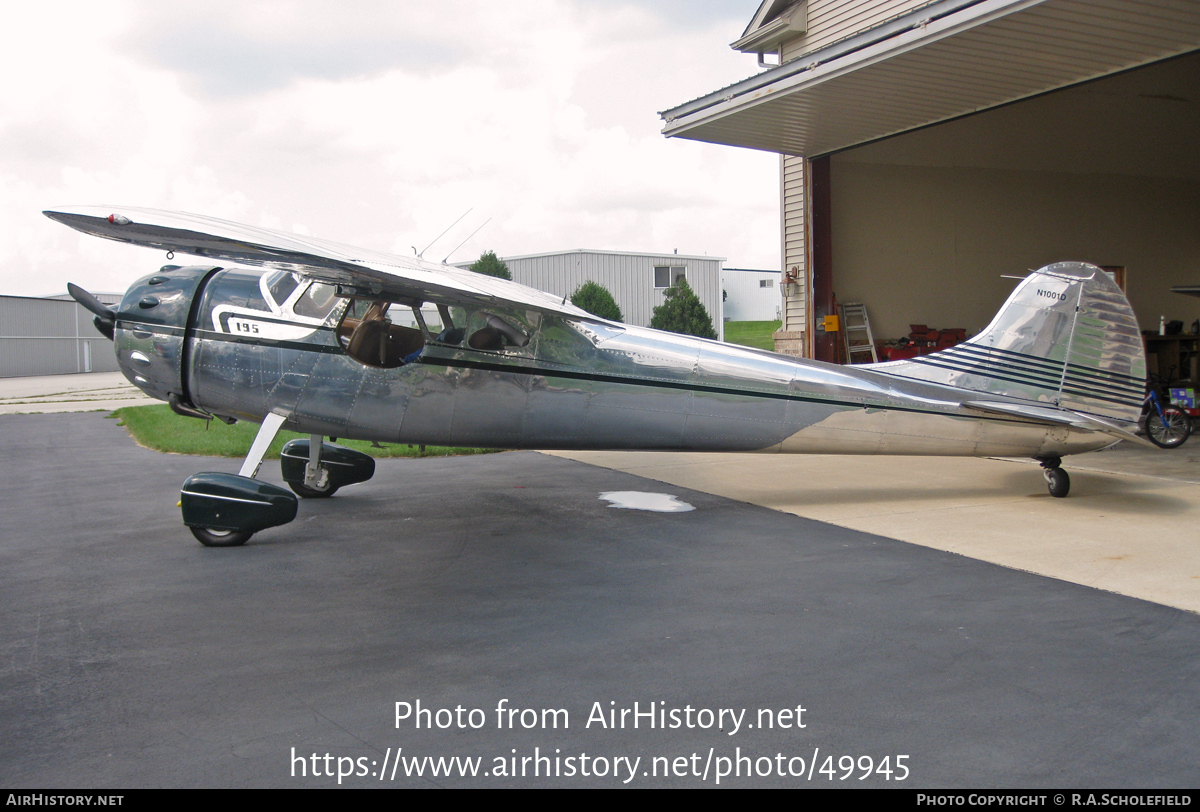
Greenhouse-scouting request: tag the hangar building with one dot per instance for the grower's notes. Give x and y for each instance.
(929, 148)
(52, 336)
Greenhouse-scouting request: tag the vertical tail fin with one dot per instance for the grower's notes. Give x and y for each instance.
(1066, 337)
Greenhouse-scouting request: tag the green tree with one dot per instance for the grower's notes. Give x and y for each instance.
(683, 312)
(595, 299)
(491, 265)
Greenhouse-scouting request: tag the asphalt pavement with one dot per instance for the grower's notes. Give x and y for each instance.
(132, 656)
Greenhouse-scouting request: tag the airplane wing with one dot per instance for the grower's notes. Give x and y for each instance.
(374, 272)
(1062, 417)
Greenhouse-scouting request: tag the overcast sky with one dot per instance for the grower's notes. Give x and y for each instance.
(375, 124)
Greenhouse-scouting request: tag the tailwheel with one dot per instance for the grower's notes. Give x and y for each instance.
(1057, 481)
(1056, 478)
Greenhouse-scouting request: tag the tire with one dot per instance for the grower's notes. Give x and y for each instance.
(1177, 429)
(220, 538)
(312, 493)
(1058, 482)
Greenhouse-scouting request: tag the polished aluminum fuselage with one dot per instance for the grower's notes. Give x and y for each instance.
(577, 384)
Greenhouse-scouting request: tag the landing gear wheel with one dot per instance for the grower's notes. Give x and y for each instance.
(1169, 432)
(221, 538)
(313, 493)
(1057, 481)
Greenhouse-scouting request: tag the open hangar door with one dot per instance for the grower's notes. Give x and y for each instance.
(926, 225)
(1018, 132)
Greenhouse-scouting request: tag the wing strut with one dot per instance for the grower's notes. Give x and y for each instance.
(266, 433)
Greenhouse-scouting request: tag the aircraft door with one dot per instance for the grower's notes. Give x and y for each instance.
(493, 383)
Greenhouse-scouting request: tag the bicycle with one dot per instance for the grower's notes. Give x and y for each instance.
(1165, 426)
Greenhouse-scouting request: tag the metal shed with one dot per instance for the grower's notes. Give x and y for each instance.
(750, 295)
(51, 337)
(636, 280)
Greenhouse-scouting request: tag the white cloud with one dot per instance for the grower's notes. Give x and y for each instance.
(377, 127)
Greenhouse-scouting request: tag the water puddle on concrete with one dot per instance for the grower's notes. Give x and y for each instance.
(641, 500)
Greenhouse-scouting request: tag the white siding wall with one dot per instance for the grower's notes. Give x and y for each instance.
(629, 277)
(746, 298)
(828, 22)
(793, 211)
(833, 20)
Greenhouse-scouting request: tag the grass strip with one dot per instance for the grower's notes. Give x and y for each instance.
(755, 334)
(159, 428)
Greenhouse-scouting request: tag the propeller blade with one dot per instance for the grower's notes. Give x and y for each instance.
(93, 304)
(106, 317)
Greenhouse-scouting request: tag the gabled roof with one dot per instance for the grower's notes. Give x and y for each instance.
(942, 61)
(774, 21)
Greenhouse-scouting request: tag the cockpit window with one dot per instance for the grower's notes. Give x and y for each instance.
(370, 337)
(387, 334)
(500, 331)
(316, 302)
(281, 284)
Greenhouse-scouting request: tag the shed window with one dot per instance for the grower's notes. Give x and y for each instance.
(766, 283)
(667, 275)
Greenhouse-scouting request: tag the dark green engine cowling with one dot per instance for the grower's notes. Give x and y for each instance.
(152, 326)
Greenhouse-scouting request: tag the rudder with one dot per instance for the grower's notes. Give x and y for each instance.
(1066, 337)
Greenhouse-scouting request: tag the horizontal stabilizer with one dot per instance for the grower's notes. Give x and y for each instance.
(1062, 417)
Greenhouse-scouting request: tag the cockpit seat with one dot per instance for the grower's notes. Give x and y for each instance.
(486, 338)
(377, 343)
(451, 335)
(368, 343)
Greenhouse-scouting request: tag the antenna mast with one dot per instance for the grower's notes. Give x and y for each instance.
(469, 236)
(421, 253)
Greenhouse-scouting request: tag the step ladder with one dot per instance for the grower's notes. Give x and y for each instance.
(856, 334)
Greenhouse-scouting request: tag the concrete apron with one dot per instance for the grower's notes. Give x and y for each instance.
(1129, 525)
(69, 393)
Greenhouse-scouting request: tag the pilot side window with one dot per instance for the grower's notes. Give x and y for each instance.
(370, 337)
(281, 285)
(500, 331)
(314, 301)
(317, 302)
(445, 324)
(488, 330)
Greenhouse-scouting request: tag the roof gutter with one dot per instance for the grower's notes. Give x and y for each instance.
(903, 33)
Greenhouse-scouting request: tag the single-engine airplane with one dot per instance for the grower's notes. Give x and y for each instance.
(333, 341)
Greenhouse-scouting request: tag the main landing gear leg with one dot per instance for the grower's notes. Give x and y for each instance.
(225, 510)
(317, 482)
(262, 441)
(1056, 478)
